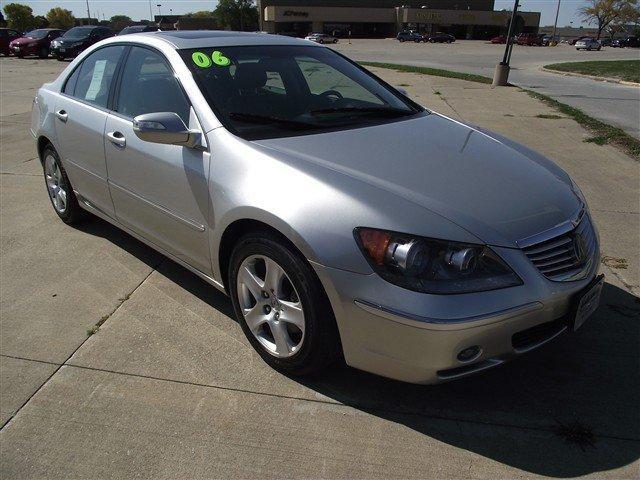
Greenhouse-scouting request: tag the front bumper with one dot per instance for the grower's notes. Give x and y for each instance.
(416, 337)
(23, 49)
(65, 51)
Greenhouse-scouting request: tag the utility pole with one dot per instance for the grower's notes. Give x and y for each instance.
(555, 26)
(88, 13)
(501, 73)
(150, 11)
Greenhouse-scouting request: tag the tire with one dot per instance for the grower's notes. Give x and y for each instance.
(401, 40)
(43, 53)
(319, 343)
(59, 57)
(72, 213)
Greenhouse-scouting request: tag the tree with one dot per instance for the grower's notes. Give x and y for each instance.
(19, 17)
(237, 14)
(118, 22)
(60, 18)
(201, 14)
(40, 22)
(606, 12)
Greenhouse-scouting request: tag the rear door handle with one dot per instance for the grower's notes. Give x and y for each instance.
(62, 115)
(117, 139)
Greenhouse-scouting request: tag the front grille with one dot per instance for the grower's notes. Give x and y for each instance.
(532, 337)
(567, 256)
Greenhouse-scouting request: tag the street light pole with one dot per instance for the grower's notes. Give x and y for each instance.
(555, 26)
(88, 13)
(150, 11)
(501, 73)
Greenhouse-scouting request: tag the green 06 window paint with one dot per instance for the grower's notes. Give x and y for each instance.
(204, 61)
(200, 59)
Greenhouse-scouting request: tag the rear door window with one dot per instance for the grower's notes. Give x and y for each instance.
(96, 75)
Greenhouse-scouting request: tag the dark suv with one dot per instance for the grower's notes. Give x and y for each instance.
(78, 39)
(6, 36)
(35, 42)
(409, 36)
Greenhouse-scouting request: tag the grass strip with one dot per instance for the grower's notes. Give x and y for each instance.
(628, 70)
(603, 133)
(437, 72)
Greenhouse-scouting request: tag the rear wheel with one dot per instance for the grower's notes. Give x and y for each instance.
(59, 188)
(281, 305)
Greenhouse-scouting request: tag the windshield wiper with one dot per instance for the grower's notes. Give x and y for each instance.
(254, 118)
(365, 110)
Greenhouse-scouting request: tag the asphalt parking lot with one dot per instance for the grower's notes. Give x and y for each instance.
(611, 103)
(168, 387)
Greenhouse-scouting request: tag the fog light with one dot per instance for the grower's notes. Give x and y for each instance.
(469, 353)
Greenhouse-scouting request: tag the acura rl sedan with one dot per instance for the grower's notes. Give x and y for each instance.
(344, 220)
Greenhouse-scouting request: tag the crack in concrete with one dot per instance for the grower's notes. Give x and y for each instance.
(317, 400)
(60, 365)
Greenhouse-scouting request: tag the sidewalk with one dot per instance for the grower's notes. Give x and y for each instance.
(168, 387)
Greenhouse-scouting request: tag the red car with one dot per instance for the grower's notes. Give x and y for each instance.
(6, 36)
(499, 39)
(530, 39)
(35, 42)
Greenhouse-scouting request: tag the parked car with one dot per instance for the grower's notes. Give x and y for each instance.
(35, 42)
(7, 35)
(588, 44)
(606, 42)
(138, 29)
(343, 223)
(409, 36)
(633, 42)
(77, 40)
(529, 39)
(547, 40)
(321, 38)
(574, 40)
(499, 39)
(441, 38)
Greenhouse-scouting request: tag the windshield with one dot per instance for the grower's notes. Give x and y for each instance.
(78, 32)
(37, 34)
(271, 91)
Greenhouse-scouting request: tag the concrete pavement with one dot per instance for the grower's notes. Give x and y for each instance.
(169, 387)
(612, 103)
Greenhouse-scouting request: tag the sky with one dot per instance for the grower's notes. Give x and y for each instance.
(139, 9)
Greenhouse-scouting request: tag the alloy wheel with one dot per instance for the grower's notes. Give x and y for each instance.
(55, 184)
(270, 305)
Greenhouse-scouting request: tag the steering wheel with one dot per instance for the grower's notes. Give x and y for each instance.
(332, 95)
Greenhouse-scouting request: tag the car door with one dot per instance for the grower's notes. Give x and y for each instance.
(81, 114)
(159, 191)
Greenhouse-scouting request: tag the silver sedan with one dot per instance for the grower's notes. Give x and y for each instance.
(344, 220)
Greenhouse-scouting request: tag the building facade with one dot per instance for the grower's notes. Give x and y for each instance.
(384, 18)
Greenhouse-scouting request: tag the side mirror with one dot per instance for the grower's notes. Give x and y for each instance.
(167, 128)
(402, 91)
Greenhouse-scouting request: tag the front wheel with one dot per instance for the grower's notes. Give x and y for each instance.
(59, 57)
(281, 305)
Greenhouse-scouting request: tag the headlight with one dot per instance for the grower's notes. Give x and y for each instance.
(434, 266)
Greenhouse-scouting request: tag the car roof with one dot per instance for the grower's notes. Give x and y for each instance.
(185, 39)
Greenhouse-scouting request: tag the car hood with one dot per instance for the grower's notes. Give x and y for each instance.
(23, 41)
(497, 190)
(70, 40)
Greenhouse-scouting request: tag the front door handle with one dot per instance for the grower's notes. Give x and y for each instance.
(117, 139)
(62, 115)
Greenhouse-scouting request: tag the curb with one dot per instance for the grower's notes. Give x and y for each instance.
(592, 77)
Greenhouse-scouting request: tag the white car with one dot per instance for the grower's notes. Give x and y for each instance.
(588, 44)
(321, 38)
